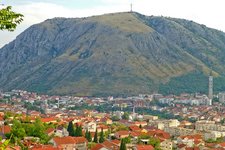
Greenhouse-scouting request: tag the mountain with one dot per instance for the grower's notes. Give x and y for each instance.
(114, 54)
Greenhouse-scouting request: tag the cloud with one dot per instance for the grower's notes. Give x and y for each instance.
(206, 12)
(37, 12)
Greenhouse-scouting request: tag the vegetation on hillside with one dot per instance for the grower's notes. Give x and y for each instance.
(102, 57)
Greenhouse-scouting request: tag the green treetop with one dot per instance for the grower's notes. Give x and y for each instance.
(96, 137)
(101, 139)
(70, 129)
(9, 19)
(123, 145)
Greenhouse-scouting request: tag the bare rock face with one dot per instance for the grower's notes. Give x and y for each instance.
(112, 54)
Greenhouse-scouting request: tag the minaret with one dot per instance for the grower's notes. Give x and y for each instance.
(210, 86)
(46, 106)
(58, 103)
(131, 7)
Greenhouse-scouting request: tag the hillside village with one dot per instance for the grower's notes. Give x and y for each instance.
(32, 121)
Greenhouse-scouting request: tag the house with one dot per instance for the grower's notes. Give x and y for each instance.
(143, 147)
(99, 147)
(166, 144)
(1, 120)
(134, 128)
(141, 123)
(50, 131)
(111, 145)
(107, 145)
(48, 120)
(106, 120)
(159, 134)
(102, 127)
(5, 129)
(70, 143)
(90, 126)
(191, 140)
(220, 145)
(45, 147)
(81, 143)
(61, 132)
(122, 134)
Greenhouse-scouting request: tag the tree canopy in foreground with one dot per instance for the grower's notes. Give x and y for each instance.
(9, 19)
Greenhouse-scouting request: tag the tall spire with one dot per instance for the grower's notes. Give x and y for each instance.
(134, 109)
(210, 87)
(131, 7)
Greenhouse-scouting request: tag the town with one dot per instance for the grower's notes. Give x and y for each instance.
(144, 122)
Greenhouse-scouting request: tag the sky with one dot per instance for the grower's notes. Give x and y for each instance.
(208, 12)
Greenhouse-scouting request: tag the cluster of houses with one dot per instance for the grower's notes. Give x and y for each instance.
(205, 132)
(171, 134)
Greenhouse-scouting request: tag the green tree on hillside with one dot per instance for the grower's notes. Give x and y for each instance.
(78, 131)
(39, 131)
(154, 142)
(123, 145)
(9, 19)
(96, 137)
(89, 137)
(70, 129)
(101, 139)
(125, 116)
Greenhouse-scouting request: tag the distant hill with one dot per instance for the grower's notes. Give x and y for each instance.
(114, 54)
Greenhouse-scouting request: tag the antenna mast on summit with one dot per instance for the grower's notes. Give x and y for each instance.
(131, 7)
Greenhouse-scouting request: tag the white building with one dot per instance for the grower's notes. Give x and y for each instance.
(222, 97)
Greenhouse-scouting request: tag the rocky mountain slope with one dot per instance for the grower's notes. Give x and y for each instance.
(113, 54)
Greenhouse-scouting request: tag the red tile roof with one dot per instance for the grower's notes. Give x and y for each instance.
(144, 147)
(117, 142)
(64, 140)
(222, 144)
(5, 129)
(159, 134)
(47, 120)
(110, 145)
(134, 128)
(192, 148)
(50, 130)
(79, 140)
(45, 147)
(97, 147)
(122, 133)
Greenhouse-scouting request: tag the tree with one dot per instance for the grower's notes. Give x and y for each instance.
(39, 131)
(154, 142)
(5, 144)
(78, 131)
(9, 19)
(96, 137)
(89, 137)
(86, 134)
(125, 116)
(101, 139)
(123, 145)
(17, 130)
(127, 140)
(70, 129)
(115, 118)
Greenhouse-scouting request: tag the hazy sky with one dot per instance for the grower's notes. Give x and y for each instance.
(208, 12)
